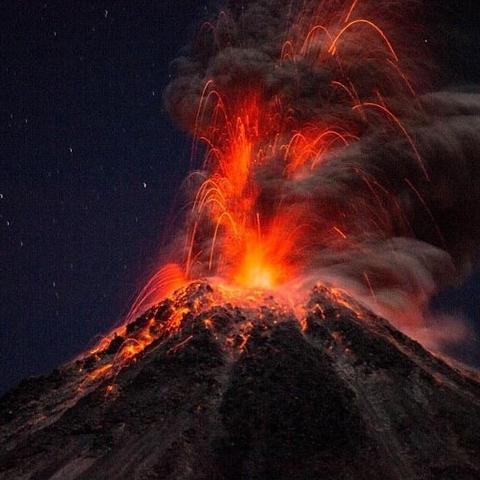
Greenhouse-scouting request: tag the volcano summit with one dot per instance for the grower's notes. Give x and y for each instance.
(228, 389)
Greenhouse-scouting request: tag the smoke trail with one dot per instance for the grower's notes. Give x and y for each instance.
(392, 215)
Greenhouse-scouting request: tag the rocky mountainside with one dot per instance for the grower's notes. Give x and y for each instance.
(203, 387)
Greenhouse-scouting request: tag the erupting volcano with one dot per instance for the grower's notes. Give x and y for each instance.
(316, 160)
(330, 190)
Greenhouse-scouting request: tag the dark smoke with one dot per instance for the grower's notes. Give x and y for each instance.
(412, 230)
(245, 47)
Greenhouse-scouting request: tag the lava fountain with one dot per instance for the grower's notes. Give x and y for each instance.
(240, 231)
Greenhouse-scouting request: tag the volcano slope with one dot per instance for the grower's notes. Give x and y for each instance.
(247, 392)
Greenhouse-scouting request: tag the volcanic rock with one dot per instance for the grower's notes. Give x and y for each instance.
(247, 390)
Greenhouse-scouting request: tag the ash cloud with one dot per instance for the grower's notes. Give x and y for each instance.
(408, 235)
(245, 45)
(432, 243)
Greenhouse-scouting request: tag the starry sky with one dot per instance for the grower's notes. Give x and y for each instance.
(91, 164)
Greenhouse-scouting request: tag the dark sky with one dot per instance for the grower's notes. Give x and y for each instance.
(90, 163)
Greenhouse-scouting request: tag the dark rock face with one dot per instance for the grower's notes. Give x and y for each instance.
(245, 392)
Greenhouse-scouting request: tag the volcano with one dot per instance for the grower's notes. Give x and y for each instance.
(246, 387)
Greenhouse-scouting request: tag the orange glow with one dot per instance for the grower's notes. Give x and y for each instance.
(350, 12)
(255, 270)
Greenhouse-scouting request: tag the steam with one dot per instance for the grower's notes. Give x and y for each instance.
(393, 217)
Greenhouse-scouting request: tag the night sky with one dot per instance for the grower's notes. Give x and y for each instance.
(91, 165)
